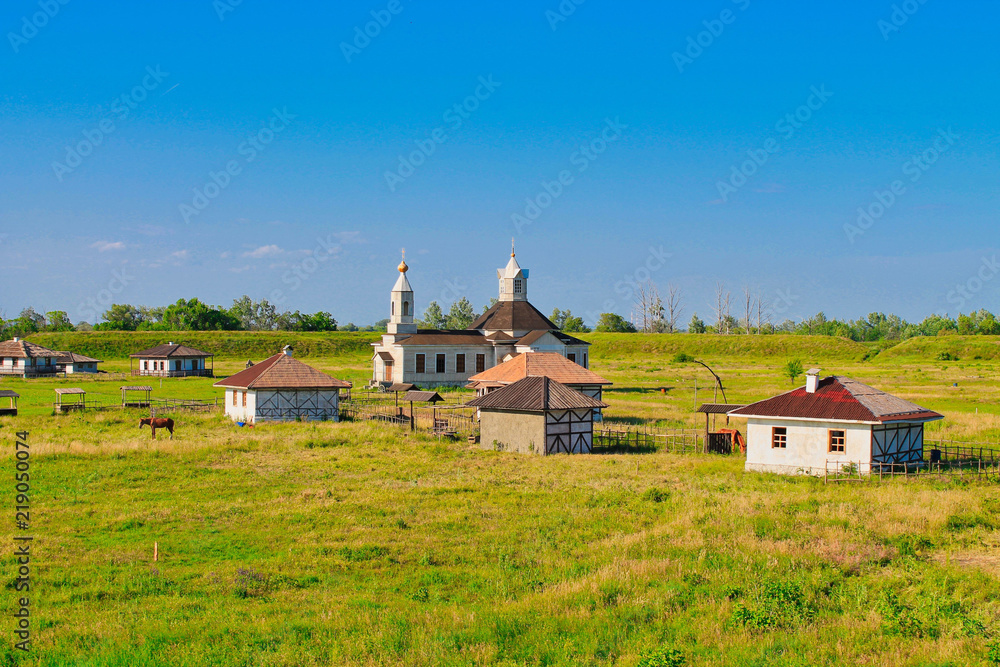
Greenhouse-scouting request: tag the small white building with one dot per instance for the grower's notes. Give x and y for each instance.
(71, 362)
(830, 424)
(171, 360)
(281, 388)
(19, 357)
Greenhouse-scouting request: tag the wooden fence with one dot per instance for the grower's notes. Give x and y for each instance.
(615, 438)
(157, 405)
(942, 458)
(451, 419)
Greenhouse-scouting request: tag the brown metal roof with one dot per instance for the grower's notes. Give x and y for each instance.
(69, 390)
(839, 398)
(541, 364)
(74, 358)
(446, 337)
(536, 394)
(719, 408)
(512, 316)
(564, 338)
(282, 372)
(384, 356)
(22, 349)
(142, 387)
(400, 386)
(423, 396)
(7, 393)
(167, 350)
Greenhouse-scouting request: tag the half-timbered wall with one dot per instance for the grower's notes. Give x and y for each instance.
(293, 404)
(569, 432)
(897, 443)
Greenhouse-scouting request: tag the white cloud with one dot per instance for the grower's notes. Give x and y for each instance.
(226, 255)
(180, 254)
(264, 251)
(105, 246)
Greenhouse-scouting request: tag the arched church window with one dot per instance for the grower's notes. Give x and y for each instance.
(392, 308)
(406, 308)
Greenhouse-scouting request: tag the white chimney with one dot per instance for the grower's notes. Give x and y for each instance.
(170, 343)
(16, 339)
(812, 380)
(287, 350)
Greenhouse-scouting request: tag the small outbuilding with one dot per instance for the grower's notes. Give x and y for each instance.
(833, 423)
(12, 397)
(141, 401)
(537, 415)
(282, 388)
(64, 405)
(71, 362)
(172, 360)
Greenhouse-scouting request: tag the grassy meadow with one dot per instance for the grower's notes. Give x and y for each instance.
(358, 544)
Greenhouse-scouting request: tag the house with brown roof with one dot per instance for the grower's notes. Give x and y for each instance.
(537, 415)
(539, 364)
(282, 388)
(437, 358)
(172, 360)
(831, 424)
(71, 362)
(19, 357)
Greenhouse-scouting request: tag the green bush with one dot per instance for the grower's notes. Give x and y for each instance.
(662, 657)
(683, 358)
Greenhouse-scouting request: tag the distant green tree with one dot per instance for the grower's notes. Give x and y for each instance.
(793, 369)
(564, 321)
(297, 321)
(613, 323)
(255, 315)
(461, 314)
(193, 315)
(697, 325)
(58, 320)
(121, 317)
(433, 317)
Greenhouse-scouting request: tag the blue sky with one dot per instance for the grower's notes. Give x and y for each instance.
(308, 216)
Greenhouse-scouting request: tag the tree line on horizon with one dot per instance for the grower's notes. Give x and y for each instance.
(651, 314)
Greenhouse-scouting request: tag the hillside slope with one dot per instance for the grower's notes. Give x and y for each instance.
(930, 348)
(714, 346)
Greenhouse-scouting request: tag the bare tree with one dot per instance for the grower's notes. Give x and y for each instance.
(748, 308)
(763, 312)
(650, 307)
(674, 307)
(723, 305)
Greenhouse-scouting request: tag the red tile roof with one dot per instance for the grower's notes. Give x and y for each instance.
(540, 364)
(536, 394)
(841, 399)
(282, 372)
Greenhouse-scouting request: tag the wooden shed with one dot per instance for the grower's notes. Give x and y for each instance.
(12, 397)
(63, 405)
(537, 415)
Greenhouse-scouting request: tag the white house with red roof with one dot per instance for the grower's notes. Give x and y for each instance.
(830, 424)
(282, 388)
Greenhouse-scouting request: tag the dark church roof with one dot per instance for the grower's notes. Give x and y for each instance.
(512, 316)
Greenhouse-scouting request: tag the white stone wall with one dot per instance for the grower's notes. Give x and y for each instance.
(807, 449)
(239, 413)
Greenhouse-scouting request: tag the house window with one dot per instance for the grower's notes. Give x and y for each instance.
(518, 286)
(420, 363)
(585, 360)
(480, 363)
(234, 398)
(571, 357)
(244, 399)
(439, 364)
(779, 437)
(459, 363)
(838, 441)
(145, 365)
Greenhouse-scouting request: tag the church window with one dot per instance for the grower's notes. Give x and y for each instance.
(392, 309)
(459, 363)
(406, 308)
(439, 365)
(518, 286)
(503, 287)
(480, 363)
(420, 363)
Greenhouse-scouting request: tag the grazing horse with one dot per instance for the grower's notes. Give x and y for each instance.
(158, 422)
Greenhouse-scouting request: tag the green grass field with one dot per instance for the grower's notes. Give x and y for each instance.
(353, 544)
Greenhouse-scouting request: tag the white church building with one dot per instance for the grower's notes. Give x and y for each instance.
(449, 357)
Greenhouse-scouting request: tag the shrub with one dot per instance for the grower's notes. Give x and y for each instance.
(361, 554)
(683, 358)
(946, 356)
(662, 657)
(968, 521)
(655, 495)
(775, 604)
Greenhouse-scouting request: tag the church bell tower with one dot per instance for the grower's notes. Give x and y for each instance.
(513, 280)
(401, 304)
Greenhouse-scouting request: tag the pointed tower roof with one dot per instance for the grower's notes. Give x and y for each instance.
(402, 284)
(513, 269)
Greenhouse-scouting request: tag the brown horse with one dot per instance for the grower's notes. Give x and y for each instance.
(158, 422)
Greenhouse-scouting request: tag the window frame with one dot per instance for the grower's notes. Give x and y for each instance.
(460, 363)
(841, 448)
(571, 356)
(480, 363)
(518, 286)
(421, 361)
(441, 363)
(775, 442)
(244, 399)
